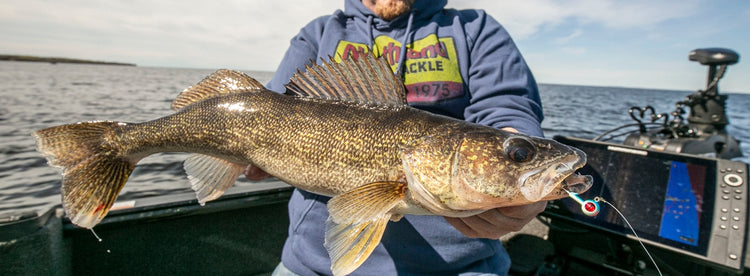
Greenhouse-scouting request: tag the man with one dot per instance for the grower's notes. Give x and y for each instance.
(461, 64)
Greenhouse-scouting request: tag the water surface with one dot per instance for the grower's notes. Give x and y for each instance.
(38, 95)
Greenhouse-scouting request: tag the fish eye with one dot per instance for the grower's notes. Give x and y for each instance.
(519, 150)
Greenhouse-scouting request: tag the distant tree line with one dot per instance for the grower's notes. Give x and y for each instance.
(59, 60)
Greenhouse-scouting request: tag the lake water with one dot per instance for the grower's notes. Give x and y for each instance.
(38, 95)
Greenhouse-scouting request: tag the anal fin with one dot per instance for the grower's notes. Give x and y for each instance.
(211, 176)
(356, 222)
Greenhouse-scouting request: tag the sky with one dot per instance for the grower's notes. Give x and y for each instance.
(633, 43)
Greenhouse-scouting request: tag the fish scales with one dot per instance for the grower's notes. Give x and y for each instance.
(341, 145)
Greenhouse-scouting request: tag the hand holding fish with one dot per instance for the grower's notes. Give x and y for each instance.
(495, 223)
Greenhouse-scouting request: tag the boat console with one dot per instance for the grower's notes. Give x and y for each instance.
(690, 210)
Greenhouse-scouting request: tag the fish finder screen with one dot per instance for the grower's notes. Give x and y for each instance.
(668, 199)
(680, 219)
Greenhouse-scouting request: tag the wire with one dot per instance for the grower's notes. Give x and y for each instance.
(621, 127)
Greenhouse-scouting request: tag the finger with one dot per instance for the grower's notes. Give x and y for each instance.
(478, 227)
(501, 223)
(524, 211)
(492, 225)
(495, 223)
(512, 219)
(462, 227)
(510, 129)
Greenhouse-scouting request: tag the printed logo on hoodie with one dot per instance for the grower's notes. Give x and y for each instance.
(430, 71)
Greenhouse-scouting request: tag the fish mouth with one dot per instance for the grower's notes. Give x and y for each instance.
(554, 182)
(577, 183)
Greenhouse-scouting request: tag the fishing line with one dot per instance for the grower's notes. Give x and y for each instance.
(591, 208)
(95, 235)
(598, 199)
(98, 238)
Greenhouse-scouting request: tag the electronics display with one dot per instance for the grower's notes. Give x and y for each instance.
(687, 204)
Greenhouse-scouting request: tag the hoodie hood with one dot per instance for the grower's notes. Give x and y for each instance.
(421, 9)
(458, 63)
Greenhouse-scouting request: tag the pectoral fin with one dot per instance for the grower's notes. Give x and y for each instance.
(356, 223)
(211, 176)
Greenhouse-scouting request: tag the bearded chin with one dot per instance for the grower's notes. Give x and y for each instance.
(396, 8)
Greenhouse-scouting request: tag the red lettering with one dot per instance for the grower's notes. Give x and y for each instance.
(391, 52)
(441, 50)
(350, 51)
(430, 51)
(411, 54)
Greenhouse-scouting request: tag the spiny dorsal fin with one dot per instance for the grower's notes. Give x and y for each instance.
(367, 80)
(221, 82)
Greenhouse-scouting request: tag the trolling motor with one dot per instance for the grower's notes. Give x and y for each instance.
(705, 131)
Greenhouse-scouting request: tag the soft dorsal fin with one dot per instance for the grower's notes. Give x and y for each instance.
(221, 82)
(367, 80)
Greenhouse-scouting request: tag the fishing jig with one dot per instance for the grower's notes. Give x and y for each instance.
(588, 207)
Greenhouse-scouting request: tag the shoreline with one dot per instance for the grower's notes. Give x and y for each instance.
(54, 60)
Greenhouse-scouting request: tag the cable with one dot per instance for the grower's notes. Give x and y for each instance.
(621, 127)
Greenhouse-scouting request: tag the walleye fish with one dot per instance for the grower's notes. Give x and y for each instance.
(342, 130)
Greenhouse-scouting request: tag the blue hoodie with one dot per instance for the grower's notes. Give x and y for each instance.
(461, 64)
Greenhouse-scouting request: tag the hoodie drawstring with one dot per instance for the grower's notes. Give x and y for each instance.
(404, 41)
(407, 36)
(369, 32)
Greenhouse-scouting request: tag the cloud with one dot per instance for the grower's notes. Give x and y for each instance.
(525, 18)
(253, 35)
(237, 34)
(567, 38)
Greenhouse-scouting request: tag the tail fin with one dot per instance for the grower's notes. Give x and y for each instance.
(93, 171)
